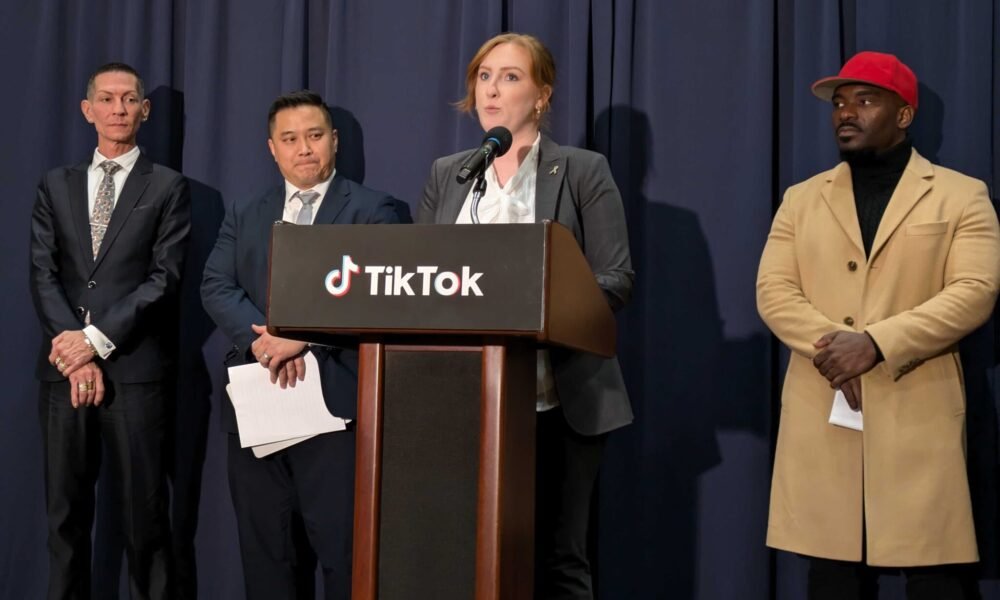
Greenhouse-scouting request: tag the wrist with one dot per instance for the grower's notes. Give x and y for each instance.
(877, 351)
(90, 346)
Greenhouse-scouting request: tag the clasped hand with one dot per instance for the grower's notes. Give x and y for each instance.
(86, 386)
(70, 351)
(842, 358)
(283, 358)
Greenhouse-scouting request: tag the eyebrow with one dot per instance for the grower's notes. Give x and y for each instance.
(310, 130)
(510, 68)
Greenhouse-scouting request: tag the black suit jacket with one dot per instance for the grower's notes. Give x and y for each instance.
(130, 290)
(575, 188)
(234, 287)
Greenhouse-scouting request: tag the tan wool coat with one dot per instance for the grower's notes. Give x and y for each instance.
(932, 277)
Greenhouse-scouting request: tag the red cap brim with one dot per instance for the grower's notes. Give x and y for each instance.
(826, 87)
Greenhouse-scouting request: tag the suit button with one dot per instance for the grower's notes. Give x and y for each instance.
(852, 266)
(91, 285)
(81, 310)
(849, 321)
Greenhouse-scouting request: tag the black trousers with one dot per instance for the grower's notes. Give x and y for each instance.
(840, 580)
(306, 488)
(566, 472)
(131, 423)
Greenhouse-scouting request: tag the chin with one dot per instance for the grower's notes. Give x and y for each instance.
(850, 146)
(491, 123)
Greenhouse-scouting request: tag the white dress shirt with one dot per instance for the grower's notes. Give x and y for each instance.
(515, 203)
(293, 204)
(95, 174)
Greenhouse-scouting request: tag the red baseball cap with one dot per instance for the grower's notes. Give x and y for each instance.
(874, 68)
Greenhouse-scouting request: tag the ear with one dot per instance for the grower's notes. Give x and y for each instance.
(145, 108)
(904, 118)
(546, 95)
(335, 140)
(87, 109)
(270, 146)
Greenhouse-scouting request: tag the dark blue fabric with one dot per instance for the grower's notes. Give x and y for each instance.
(704, 112)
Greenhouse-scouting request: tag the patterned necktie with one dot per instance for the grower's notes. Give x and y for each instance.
(103, 205)
(306, 212)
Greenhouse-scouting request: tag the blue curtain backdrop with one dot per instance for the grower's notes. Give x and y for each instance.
(704, 111)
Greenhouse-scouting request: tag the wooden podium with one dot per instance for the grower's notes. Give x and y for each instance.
(448, 320)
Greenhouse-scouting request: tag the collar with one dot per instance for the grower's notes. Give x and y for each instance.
(321, 187)
(891, 161)
(125, 161)
(527, 167)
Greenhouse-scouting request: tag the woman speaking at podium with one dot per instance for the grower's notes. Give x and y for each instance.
(581, 397)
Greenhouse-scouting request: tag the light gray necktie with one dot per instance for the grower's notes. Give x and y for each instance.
(104, 204)
(306, 212)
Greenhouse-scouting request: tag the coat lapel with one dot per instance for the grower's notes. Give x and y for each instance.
(548, 183)
(838, 193)
(912, 186)
(80, 209)
(455, 196)
(336, 198)
(135, 186)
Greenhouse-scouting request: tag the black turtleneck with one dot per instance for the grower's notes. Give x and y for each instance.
(874, 178)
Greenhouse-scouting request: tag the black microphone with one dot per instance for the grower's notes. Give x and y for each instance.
(496, 143)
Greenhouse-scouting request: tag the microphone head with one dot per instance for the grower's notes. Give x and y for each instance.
(502, 137)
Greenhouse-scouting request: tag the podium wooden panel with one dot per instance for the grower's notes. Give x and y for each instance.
(445, 472)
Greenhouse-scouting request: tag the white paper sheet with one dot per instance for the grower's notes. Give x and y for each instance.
(263, 450)
(843, 415)
(269, 415)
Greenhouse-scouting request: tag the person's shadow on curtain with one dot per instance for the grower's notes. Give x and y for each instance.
(670, 346)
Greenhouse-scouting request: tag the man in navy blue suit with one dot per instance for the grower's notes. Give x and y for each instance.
(108, 238)
(309, 484)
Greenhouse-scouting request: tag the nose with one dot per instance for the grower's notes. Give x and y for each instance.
(492, 91)
(304, 148)
(846, 112)
(118, 105)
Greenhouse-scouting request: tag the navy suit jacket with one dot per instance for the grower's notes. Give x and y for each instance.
(130, 290)
(234, 287)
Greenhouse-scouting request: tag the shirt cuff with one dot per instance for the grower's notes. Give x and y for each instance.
(101, 343)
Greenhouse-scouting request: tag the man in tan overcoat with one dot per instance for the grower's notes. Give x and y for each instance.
(872, 273)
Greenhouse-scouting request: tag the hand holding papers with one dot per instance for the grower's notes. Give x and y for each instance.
(271, 418)
(843, 415)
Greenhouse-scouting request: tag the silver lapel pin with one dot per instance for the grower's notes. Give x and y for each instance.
(555, 170)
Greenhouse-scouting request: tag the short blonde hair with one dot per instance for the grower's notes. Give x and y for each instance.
(543, 67)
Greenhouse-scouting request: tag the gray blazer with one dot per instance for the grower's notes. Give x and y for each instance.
(576, 189)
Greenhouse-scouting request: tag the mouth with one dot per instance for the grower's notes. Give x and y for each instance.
(492, 110)
(846, 133)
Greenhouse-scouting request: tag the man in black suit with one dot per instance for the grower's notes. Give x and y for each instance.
(107, 247)
(309, 484)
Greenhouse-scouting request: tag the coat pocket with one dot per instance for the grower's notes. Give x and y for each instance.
(935, 228)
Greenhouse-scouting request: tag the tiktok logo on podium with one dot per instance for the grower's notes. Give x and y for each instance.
(387, 280)
(338, 281)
